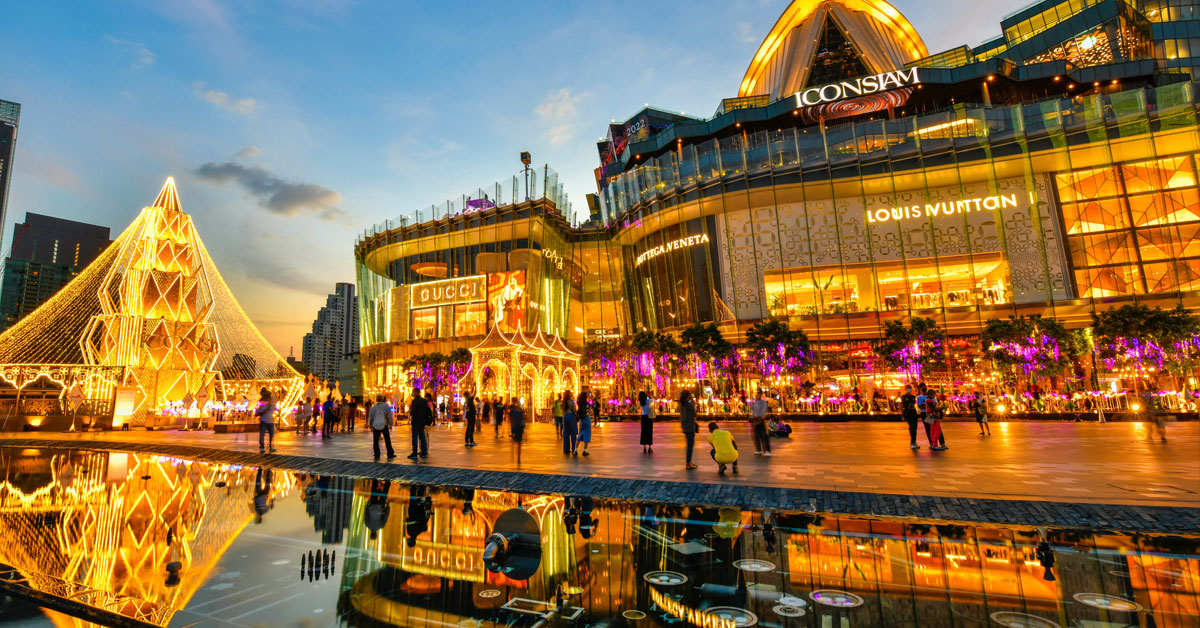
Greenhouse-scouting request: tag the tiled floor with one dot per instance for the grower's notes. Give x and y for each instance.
(1076, 462)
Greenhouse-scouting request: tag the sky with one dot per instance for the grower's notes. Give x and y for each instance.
(293, 125)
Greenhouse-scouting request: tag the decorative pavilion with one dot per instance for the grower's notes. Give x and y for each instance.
(532, 368)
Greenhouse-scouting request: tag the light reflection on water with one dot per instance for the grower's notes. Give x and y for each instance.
(256, 547)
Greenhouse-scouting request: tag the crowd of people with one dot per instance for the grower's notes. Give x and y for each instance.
(574, 415)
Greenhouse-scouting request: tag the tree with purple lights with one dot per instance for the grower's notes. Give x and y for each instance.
(709, 353)
(656, 358)
(437, 370)
(778, 350)
(912, 348)
(1030, 346)
(1147, 341)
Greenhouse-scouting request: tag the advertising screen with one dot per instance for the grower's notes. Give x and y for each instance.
(506, 300)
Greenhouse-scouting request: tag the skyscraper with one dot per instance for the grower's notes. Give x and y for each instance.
(334, 333)
(47, 253)
(10, 115)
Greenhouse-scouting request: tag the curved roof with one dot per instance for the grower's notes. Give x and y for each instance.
(883, 39)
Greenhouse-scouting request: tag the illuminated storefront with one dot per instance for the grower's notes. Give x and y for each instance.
(857, 179)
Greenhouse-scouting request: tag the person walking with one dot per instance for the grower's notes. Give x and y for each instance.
(758, 425)
(979, 406)
(569, 423)
(380, 419)
(328, 411)
(724, 449)
(469, 414)
(419, 415)
(647, 419)
(687, 423)
(556, 411)
(303, 415)
(911, 416)
(933, 418)
(486, 417)
(433, 410)
(583, 411)
(266, 419)
(516, 422)
(498, 411)
(1152, 405)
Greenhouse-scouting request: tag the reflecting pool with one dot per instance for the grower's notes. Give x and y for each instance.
(175, 542)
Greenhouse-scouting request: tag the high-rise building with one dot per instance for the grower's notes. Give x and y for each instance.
(47, 252)
(334, 334)
(10, 115)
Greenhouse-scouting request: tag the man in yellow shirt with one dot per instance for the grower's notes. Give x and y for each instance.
(724, 449)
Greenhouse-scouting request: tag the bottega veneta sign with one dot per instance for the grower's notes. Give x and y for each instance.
(654, 252)
(450, 291)
(863, 86)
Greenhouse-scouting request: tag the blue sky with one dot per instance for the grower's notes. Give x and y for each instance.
(292, 125)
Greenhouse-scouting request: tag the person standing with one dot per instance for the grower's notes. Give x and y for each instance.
(516, 422)
(585, 421)
(469, 414)
(433, 412)
(556, 411)
(419, 415)
(328, 411)
(758, 425)
(570, 423)
(647, 419)
(687, 422)
(908, 410)
(933, 419)
(486, 417)
(266, 419)
(979, 406)
(724, 449)
(380, 418)
(352, 414)
(303, 415)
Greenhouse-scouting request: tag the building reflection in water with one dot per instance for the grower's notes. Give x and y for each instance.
(725, 568)
(103, 528)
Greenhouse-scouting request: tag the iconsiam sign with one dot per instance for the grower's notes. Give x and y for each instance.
(148, 330)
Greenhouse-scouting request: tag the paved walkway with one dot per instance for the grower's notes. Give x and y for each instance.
(1086, 463)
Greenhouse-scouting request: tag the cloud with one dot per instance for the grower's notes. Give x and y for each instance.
(143, 57)
(249, 152)
(745, 33)
(411, 155)
(276, 195)
(559, 111)
(243, 107)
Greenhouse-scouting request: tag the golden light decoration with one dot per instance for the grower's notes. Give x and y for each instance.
(151, 313)
(524, 364)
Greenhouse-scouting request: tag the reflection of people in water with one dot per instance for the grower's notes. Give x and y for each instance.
(507, 304)
(420, 509)
(262, 494)
(587, 525)
(377, 511)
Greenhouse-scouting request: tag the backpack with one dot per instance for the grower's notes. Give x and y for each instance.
(653, 412)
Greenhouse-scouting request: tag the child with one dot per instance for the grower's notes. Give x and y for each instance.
(724, 449)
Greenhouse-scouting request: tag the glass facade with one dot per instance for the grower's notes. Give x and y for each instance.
(969, 214)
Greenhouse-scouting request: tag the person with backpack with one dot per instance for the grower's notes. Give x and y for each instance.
(979, 406)
(380, 418)
(647, 419)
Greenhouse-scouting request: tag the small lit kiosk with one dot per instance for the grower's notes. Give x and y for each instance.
(533, 368)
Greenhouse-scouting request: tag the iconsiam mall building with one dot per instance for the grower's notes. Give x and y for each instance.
(853, 178)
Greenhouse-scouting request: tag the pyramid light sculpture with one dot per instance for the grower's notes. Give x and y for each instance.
(151, 313)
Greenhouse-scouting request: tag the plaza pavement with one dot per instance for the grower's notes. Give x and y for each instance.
(1083, 463)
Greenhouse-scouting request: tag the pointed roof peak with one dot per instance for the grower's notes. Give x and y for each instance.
(168, 197)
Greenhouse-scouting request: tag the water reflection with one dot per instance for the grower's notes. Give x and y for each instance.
(103, 528)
